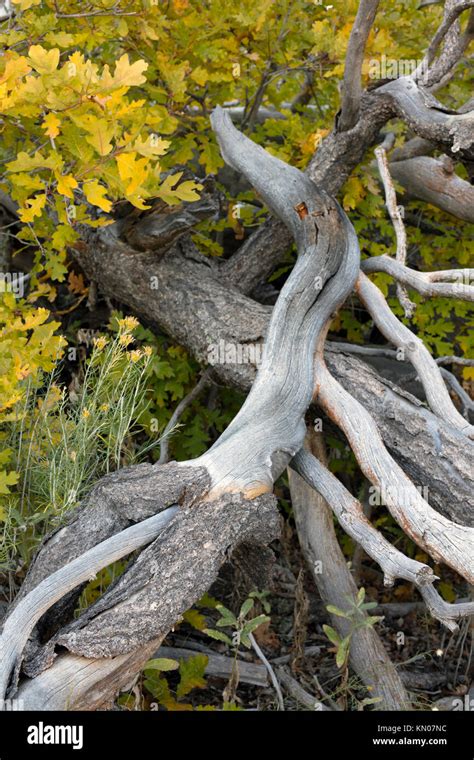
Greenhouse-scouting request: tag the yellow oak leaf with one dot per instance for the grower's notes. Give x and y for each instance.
(187, 191)
(126, 74)
(152, 146)
(125, 165)
(95, 194)
(133, 169)
(100, 135)
(199, 75)
(66, 184)
(43, 61)
(33, 208)
(137, 201)
(51, 125)
(26, 163)
(15, 68)
(166, 190)
(63, 236)
(63, 39)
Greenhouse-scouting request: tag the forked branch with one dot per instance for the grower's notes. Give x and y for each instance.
(393, 563)
(414, 350)
(446, 541)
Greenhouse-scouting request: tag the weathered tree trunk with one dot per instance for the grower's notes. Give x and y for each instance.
(193, 514)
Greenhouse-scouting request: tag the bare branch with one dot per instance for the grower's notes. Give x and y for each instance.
(390, 353)
(354, 348)
(204, 380)
(394, 564)
(434, 180)
(416, 352)
(430, 119)
(18, 626)
(444, 540)
(395, 211)
(220, 665)
(327, 253)
(455, 360)
(452, 13)
(271, 672)
(431, 452)
(416, 146)
(426, 283)
(352, 88)
(319, 543)
(454, 47)
(396, 215)
(453, 382)
(298, 693)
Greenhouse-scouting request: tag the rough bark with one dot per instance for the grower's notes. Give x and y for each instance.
(200, 303)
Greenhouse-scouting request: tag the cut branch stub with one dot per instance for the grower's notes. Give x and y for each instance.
(430, 180)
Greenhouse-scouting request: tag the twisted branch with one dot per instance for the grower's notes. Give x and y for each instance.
(426, 283)
(446, 541)
(393, 563)
(415, 350)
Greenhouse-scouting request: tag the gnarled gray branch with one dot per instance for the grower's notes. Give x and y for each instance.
(434, 181)
(396, 215)
(416, 352)
(450, 283)
(444, 540)
(430, 119)
(352, 87)
(19, 624)
(320, 546)
(393, 563)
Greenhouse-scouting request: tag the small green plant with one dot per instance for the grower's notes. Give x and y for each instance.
(241, 629)
(356, 617)
(241, 626)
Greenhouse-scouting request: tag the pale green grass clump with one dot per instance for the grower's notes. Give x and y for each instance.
(62, 442)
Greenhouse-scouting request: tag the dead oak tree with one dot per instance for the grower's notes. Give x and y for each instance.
(191, 515)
